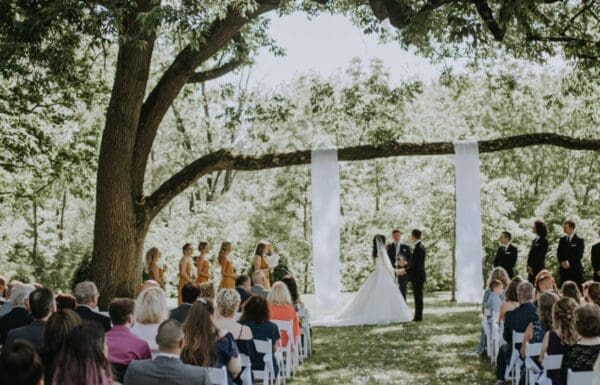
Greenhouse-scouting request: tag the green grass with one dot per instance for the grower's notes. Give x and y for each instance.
(426, 353)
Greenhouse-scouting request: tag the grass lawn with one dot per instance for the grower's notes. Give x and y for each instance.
(430, 352)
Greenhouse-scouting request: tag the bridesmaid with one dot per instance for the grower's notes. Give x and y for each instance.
(185, 269)
(228, 275)
(202, 264)
(536, 261)
(259, 262)
(155, 272)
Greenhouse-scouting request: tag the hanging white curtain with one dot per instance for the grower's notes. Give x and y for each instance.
(469, 248)
(326, 226)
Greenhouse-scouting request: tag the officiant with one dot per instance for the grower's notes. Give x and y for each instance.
(399, 254)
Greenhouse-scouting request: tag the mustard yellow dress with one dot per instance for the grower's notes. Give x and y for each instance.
(185, 276)
(203, 271)
(227, 275)
(264, 266)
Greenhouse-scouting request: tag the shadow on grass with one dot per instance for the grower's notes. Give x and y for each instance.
(427, 353)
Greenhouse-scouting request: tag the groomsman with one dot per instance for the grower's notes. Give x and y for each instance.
(596, 260)
(398, 252)
(416, 272)
(507, 254)
(570, 253)
(536, 260)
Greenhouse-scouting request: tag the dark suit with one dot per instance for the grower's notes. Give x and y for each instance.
(244, 295)
(517, 321)
(405, 253)
(536, 260)
(32, 333)
(88, 314)
(506, 257)
(571, 251)
(596, 261)
(416, 274)
(16, 318)
(165, 371)
(180, 312)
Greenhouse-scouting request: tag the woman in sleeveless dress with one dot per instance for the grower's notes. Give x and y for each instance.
(185, 269)
(228, 275)
(259, 262)
(378, 301)
(155, 272)
(202, 265)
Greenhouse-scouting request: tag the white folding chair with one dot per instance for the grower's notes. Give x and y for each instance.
(580, 378)
(287, 351)
(246, 374)
(551, 362)
(218, 376)
(532, 370)
(497, 339)
(268, 373)
(513, 369)
(305, 338)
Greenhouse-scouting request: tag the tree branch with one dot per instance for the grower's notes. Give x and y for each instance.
(487, 15)
(214, 73)
(225, 160)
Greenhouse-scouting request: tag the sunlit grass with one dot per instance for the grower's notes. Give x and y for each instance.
(431, 352)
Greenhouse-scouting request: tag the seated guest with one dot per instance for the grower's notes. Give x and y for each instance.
(3, 289)
(281, 309)
(228, 302)
(86, 295)
(83, 357)
(593, 293)
(243, 287)
(65, 301)
(498, 273)
(292, 286)
(59, 325)
(147, 284)
(8, 305)
(258, 284)
(562, 336)
(511, 300)
(544, 282)
(516, 321)
(167, 368)
(255, 315)
(20, 365)
(150, 311)
(18, 315)
(535, 332)
(41, 306)
(584, 354)
(189, 294)
(207, 291)
(570, 289)
(206, 345)
(124, 346)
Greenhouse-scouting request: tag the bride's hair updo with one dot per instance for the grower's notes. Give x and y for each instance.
(381, 238)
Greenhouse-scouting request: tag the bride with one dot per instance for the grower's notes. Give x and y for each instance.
(378, 301)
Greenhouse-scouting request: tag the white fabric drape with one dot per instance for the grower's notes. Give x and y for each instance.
(469, 248)
(326, 226)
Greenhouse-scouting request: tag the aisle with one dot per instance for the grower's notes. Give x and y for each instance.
(429, 353)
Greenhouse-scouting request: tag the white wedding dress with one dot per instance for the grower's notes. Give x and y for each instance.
(377, 302)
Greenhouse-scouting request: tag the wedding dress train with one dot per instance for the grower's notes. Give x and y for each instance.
(378, 301)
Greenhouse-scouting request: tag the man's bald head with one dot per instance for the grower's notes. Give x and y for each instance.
(169, 336)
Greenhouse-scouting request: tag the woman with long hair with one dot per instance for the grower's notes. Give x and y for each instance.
(536, 330)
(228, 275)
(155, 272)
(259, 262)
(282, 309)
(511, 301)
(571, 290)
(82, 360)
(185, 269)
(536, 259)
(563, 334)
(292, 286)
(205, 344)
(58, 327)
(202, 264)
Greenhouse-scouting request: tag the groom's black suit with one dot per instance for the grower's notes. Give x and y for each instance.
(416, 274)
(406, 254)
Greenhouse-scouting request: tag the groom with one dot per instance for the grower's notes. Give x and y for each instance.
(399, 252)
(415, 270)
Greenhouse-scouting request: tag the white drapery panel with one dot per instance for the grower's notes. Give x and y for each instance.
(325, 190)
(469, 248)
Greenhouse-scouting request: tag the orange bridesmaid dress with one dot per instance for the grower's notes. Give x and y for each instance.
(203, 272)
(185, 276)
(264, 266)
(227, 275)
